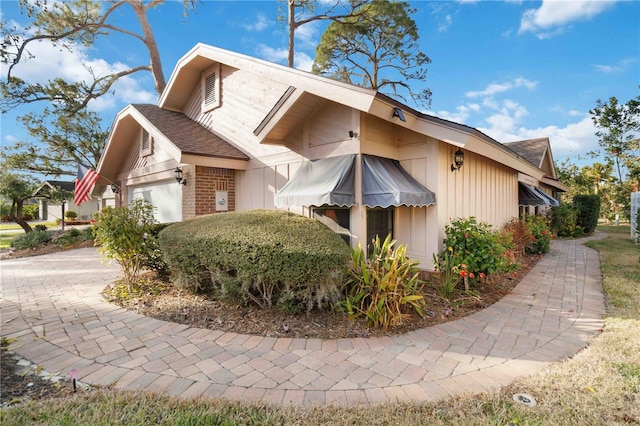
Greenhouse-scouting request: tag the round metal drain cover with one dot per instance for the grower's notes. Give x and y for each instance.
(525, 399)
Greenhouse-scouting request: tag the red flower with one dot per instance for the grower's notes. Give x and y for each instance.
(482, 275)
(544, 232)
(463, 273)
(466, 235)
(471, 275)
(463, 266)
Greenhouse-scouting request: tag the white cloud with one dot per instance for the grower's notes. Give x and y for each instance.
(302, 61)
(560, 13)
(496, 88)
(445, 24)
(307, 35)
(460, 116)
(259, 24)
(621, 66)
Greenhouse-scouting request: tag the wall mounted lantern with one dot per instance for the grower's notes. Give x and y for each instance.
(458, 160)
(397, 113)
(353, 134)
(178, 173)
(114, 188)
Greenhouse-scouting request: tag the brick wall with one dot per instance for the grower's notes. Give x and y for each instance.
(210, 180)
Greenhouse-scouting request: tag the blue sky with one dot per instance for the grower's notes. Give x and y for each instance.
(512, 69)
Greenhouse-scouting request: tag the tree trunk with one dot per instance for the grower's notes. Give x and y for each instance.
(292, 31)
(15, 215)
(152, 47)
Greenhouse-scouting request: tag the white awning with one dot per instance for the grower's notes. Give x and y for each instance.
(326, 181)
(385, 183)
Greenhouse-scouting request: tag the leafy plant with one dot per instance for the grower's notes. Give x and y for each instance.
(70, 214)
(31, 239)
(40, 227)
(477, 246)
(122, 234)
(541, 237)
(563, 221)
(447, 277)
(520, 234)
(383, 286)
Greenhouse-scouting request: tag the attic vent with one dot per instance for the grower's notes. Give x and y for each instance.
(146, 144)
(211, 89)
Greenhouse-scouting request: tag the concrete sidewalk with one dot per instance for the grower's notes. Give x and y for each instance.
(52, 304)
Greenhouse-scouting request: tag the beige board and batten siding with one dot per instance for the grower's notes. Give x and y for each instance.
(482, 188)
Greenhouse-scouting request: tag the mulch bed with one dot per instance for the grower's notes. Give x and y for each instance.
(159, 299)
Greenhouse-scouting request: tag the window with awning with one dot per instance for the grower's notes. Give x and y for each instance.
(385, 184)
(529, 195)
(331, 181)
(326, 181)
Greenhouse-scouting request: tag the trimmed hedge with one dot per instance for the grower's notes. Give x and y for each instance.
(270, 257)
(587, 211)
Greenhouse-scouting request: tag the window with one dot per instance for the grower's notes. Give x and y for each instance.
(211, 88)
(336, 219)
(146, 144)
(379, 223)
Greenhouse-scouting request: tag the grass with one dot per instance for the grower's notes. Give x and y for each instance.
(6, 238)
(600, 385)
(5, 226)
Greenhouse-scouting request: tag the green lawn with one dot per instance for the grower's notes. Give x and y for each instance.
(598, 386)
(12, 225)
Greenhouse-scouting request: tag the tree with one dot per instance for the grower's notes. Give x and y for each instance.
(301, 12)
(618, 129)
(67, 141)
(66, 25)
(18, 189)
(377, 49)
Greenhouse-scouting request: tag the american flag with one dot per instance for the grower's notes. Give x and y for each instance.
(84, 184)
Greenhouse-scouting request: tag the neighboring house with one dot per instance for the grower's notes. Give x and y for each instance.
(243, 133)
(53, 210)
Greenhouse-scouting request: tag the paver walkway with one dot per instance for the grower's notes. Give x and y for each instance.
(52, 304)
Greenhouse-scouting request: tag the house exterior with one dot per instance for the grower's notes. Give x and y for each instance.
(53, 210)
(243, 133)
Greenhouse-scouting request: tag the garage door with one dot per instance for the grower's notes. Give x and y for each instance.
(166, 197)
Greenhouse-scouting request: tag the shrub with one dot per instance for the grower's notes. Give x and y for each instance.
(520, 234)
(40, 227)
(587, 212)
(30, 210)
(270, 257)
(153, 255)
(541, 237)
(448, 275)
(27, 217)
(563, 221)
(70, 214)
(31, 239)
(383, 286)
(122, 233)
(477, 246)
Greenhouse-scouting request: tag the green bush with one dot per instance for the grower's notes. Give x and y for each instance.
(70, 214)
(270, 257)
(563, 221)
(587, 212)
(477, 246)
(40, 227)
(541, 236)
(31, 239)
(30, 211)
(123, 233)
(383, 286)
(153, 254)
(520, 234)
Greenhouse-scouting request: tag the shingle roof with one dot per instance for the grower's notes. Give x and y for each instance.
(189, 136)
(533, 150)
